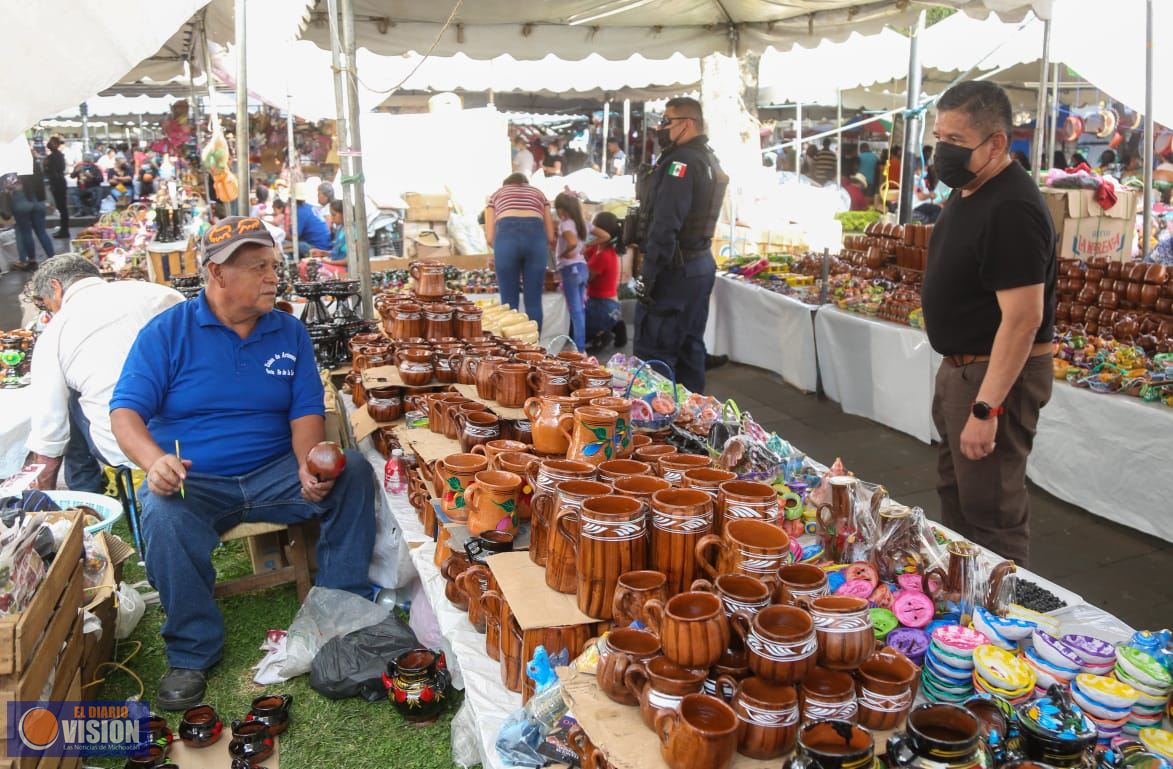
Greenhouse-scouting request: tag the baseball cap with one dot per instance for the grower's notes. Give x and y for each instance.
(229, 234)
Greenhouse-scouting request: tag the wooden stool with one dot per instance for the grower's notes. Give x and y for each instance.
(298, 571)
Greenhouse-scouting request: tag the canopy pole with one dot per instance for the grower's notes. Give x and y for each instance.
(1054, 115)
(1041, 108)
(242, 109)
(84, 109)
(643, 133)
(359, 244)
(195, 105)
(1149, 142)
(839, 126)
(606, 134)
(291, 163)
(341, 132)
(627, 130)
(912, 120)
(798, 138)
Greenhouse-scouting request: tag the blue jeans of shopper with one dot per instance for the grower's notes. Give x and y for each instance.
(83, 462)
(181, 533)
(601, 315)
(30, 220)
(574, 285)
(520, 251)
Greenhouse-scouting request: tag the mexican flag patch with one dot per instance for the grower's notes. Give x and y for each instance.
(677, 169)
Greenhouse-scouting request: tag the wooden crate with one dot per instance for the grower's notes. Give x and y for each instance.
(46, 640)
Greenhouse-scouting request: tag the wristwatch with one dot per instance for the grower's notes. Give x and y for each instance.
(984, 411)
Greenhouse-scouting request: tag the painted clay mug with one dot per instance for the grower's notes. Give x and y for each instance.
(544, 477)
(619, 650)
(738, 592)
(680, 518)
(483, 369)
(623, 434)
(561, 563)
(455, 473)
(609, 536)
(510, 388)
(492, 501)
(886, 685)
(549, 379)
(827, 693)
(700, 734)
(747, 546)
(844, 628)
(632, 591)
(692, 626)
(767, 715)
(543, 413)
(659, 685)
(590, 433)
(779, 641)
(745, 499)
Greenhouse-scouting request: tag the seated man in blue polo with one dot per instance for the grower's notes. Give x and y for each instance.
(312, 231)
(235, 383)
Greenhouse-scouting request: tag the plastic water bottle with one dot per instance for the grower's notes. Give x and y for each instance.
(394, 474)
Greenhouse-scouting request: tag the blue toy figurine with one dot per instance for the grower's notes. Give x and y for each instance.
(540, 670)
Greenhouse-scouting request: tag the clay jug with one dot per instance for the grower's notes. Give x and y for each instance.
(543, 413)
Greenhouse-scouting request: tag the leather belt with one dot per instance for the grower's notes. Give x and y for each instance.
(960, 361)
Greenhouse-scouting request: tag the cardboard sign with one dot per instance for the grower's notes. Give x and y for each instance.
(470, 392)
(534, 604)
(428, 446)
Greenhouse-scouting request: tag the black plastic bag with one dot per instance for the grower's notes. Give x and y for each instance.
(352, 665)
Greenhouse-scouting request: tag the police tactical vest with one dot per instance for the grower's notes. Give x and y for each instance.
(701, 221)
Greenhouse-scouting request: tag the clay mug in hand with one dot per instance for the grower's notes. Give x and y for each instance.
(624, 647)
(701, 734)
(692, 627)
(827, 693)
(632, 591)
(779, 641)
(611, 539)
(659, 685)
(748, 546)
(680, 518)
(886, 685)
(590, 433)
(492, 501)
(844, 629)
(767, 715)
(833, 744)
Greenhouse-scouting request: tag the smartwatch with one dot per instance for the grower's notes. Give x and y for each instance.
(984, 411)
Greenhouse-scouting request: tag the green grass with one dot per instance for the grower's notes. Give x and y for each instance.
(323, 733)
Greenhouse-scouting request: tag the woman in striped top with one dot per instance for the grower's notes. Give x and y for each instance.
(519, 226)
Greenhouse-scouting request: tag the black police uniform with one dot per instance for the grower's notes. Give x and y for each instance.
(680, 200)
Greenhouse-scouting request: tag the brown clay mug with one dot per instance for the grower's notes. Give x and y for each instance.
(455, 473)
(779, 641)
(585, 395)
(671, 467)
(544, 413)
(886, 685)
(435, 403)
(492, 500)
(680, 518)
(745, 499)
(614, 469)
(549, 379)
(590, 433)
(707, 479)
(801, 583)
(510, 388)
(555, 638)
(622, 407)
(659, 685)
(384, 404)
(748, 546)
(483, 369)
(619, 650)
(652, 452)
(633, 590)
(767, 715)
(640, 487)
(833, 744)
(561, 562)
(844, 628)
(495, 448)
(591, 378)
(738, 592)
(827, 693)
(589, 756)
(477, 427)
(415, 367)
(701, 734)
(474, 582)
(454, 410)
(609, 536)
(491, 608)
(692, 626)
(543, 478)
(640, 439)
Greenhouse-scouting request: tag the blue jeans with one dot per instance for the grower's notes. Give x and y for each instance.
(601, 315)
(673, 328)
(83, 462)
(520, 251)
(30, 218)
(181, 533)
(574, 285)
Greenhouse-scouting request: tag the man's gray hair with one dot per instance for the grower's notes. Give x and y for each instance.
(66, 269)
(327, 189)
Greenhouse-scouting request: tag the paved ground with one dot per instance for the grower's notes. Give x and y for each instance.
(11, 284)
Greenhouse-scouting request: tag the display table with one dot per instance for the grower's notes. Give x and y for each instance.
(876, 369)
(1105, 454)
(555, 316)
(756, 326)
(15, 425)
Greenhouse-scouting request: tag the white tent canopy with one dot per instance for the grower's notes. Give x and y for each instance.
(616, 29)
(813, 75)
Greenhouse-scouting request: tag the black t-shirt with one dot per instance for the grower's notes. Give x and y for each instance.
(998, 238)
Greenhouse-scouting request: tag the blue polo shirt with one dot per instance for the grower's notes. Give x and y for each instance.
(228, 401)
(311, 229)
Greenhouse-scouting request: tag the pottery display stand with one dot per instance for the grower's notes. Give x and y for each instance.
(534, 605)
(388, 376)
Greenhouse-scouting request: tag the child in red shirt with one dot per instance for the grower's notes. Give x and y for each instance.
(604, 321)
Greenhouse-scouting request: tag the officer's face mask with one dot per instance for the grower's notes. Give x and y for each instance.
(664, 132)
(951, 162)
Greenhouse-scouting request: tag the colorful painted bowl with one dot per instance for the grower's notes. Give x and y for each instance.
(1062, 672)
(1109, 692)
(1122, 675)
(1000, 670)
(949, 663)
(958, 640)
(1007, 627)
(1092, 650)
(986, 628)
(1055, 651)
(1159, 741)
(1093, 708)
(1047, 623)
(1143, 667)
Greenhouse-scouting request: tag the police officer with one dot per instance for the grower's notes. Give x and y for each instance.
(680, 200)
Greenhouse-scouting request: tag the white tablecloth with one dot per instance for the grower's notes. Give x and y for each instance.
(879, 370)
(756, 326)
(15, 424)
(1109, 454)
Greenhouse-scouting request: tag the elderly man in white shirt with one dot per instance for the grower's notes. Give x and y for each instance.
(79, 357)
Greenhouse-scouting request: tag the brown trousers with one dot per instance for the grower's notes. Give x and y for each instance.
(986, 501)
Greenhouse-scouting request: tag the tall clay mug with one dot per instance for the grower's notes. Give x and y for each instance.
(612, 540)
(833, 744)
(701, 734)
(747, 546)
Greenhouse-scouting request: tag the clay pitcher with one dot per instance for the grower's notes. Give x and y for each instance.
(680, 518)
(492, 502)
(609, 540)
(543, 413)
(590, 432)
(544, 478)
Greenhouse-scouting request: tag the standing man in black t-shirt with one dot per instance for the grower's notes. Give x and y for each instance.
(989, 309)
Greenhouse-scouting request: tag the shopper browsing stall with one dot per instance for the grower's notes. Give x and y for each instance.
(334, 260)
(235, 384)
(55, 171)
(312, 232)
(519, 227)
(572, 267)
(23, 199)
(989, 307)
(680, 200)
(604, 321)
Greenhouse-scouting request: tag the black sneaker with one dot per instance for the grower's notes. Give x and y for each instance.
(619, 331)
(715, 361)
(181, 688)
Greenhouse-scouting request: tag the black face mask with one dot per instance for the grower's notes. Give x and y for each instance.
(664, 137)
(951, 163)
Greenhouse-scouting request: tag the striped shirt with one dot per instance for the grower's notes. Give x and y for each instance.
(519, 197)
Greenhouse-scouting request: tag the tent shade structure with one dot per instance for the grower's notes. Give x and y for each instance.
(574, 29)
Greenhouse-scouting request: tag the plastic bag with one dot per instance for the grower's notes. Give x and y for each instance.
(352, 665)
(131, 607)
(325, 614)
(466, 740)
